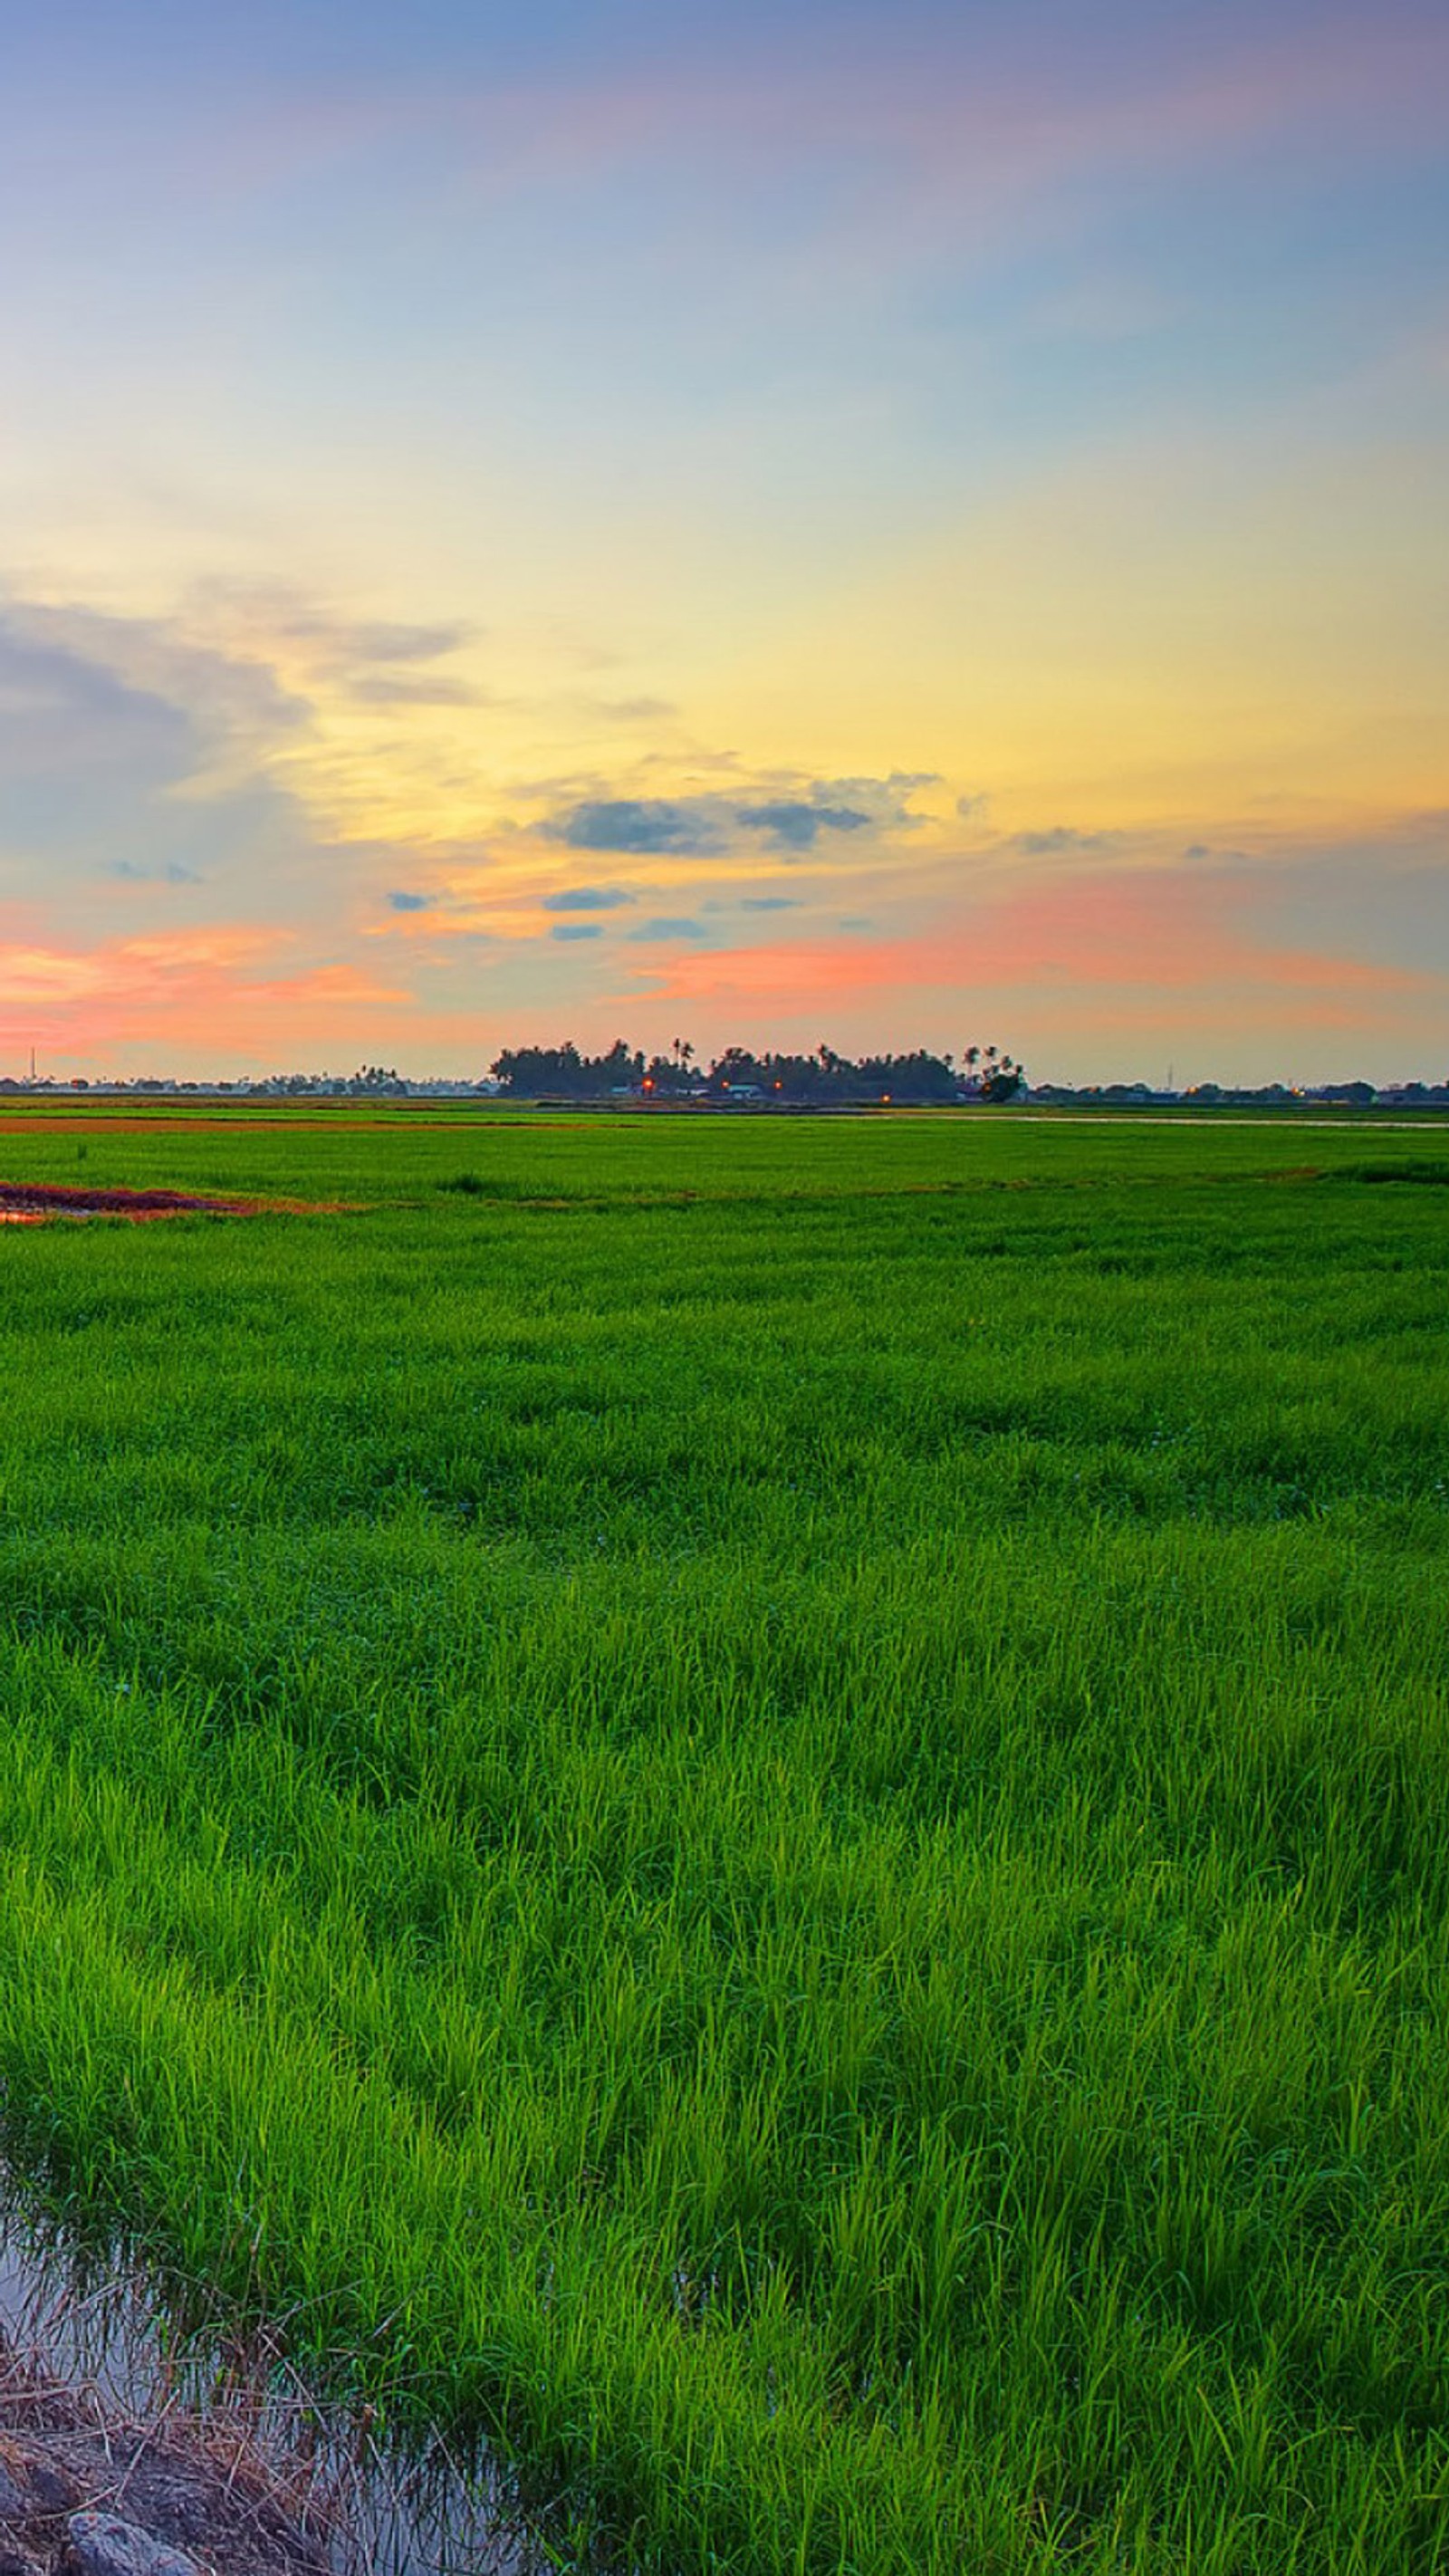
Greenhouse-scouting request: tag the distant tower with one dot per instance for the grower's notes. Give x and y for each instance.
(32, 1064)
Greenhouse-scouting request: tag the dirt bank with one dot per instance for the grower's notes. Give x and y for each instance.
(86, 2490)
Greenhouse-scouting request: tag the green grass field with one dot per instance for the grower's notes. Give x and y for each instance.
(764, 1807)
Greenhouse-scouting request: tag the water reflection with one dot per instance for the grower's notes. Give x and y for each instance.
(101, 2330)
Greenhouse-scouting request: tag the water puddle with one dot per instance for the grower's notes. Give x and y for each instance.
(90, 2346)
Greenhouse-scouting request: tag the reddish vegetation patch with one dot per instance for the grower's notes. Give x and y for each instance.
(32, 1202)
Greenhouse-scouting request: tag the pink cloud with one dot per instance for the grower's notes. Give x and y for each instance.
(1134, 949)
(194, 993)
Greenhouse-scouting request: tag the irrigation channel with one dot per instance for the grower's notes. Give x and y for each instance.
(99, 2372)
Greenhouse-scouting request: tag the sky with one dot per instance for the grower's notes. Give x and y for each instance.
(887, 524)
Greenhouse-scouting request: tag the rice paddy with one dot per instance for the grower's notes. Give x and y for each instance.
(759, 1807)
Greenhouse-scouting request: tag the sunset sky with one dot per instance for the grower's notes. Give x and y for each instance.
(906, 523)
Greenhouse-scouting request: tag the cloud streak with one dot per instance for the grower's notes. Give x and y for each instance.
(664, 929)
(588, 898)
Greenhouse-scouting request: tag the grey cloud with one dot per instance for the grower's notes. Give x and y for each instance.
(969, 807)
(769, 903)
(210, 672)
(886, 800)
(665, 927)
(795, 821)
(576, 930)
(377, 661)
(1060, 839)
(223, 698)
(794, 825)
(645, 824)
(174, 873)
(402, 901)
(76, 739)
(391, 642)
(637, 710)
(587, 899)
(102, 720)
(276, 609)
(384, 689)
(702, 826)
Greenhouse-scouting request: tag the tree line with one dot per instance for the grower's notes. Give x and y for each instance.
(824, 1079)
